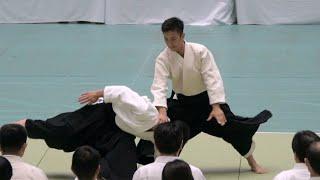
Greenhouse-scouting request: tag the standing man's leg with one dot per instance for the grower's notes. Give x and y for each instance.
(178, 112)
(238, 135)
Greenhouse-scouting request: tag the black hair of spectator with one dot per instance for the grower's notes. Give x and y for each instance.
(170, 137)
(313, 156)
(85, 162)
(12, 138)
(301, 142)
(177, 170)
(5, 169)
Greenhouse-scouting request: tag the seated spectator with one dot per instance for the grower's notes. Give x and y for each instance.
(313, 160)
(176, 170)
(169, 140)
(5, 169)
(300, 143)
(13, 142)
(85, 163)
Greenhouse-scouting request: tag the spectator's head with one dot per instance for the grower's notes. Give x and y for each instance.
(172, 30)
(13, 139)
(176, 170)
(301, 142)
(313, 158)
(170, 137)
(5, 169)
(85, 163)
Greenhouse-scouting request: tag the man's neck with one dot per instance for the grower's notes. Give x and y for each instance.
(174, 155)
(12, 154)
(95, 178)
(299, 162)
(313, 174)
(181, 50)
(296, 159)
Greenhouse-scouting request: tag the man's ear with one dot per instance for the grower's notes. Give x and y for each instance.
(306, 161)
(98, 170)
(23, 148)
(295, 156)
(180, 149)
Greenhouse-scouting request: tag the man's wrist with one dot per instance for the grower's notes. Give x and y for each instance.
(162, 109)
(99, 93)
(216, 105)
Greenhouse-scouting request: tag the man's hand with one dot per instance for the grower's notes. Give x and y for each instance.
(90, 97)
(218, 114)
(162, 115)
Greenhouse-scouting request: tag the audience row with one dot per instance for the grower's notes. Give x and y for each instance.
(169, 141)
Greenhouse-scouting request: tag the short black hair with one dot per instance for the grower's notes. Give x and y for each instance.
(85, 162)
(5, 169)
(176, 170)
(170, 136)
(172, 24)
(301, 142)
(12, 138)
(313, 156)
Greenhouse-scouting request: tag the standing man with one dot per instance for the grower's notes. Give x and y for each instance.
(198, 93)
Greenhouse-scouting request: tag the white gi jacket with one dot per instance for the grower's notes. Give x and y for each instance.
(195, 73)
(153, 171)
(135, 114)
(25, 171)
(298, 172)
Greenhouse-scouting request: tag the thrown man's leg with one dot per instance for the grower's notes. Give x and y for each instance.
(121, 162)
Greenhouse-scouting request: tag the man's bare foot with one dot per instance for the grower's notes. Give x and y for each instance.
(259, 170)
(21, 122)
(255, 167)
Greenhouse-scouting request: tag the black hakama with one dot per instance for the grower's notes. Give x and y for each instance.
(194, 111)
(92, 125)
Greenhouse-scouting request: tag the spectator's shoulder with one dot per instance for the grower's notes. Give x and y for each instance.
(37, 172)
(141, 172)
(195, 170)
(284, 174)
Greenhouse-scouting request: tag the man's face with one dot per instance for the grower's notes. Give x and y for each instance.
(174, 40)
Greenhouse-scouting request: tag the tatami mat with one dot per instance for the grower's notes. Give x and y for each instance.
(217, 159)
